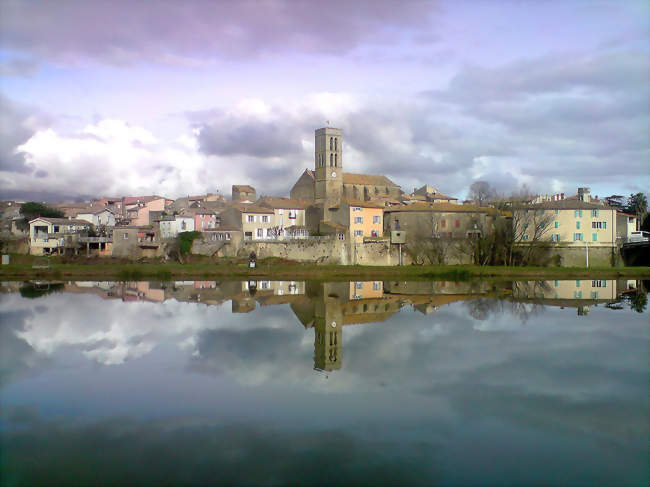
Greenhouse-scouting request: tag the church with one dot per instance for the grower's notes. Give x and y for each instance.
(327, 183)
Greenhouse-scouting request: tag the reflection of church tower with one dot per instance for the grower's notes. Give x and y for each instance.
(328, 165)
(328, 336)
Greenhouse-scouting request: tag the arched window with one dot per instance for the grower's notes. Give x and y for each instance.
(336, 162)
(331, 159)
(331, 143)
(336, 144)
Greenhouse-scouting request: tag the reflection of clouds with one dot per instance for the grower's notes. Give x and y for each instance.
(192, 451)
(556, 370)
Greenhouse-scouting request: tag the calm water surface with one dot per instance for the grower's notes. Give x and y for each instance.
(381, 383)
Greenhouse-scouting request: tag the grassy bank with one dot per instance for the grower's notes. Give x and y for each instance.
(272, 269)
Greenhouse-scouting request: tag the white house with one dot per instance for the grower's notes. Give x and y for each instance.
(98, 217)
(171, 228)
(54, 235)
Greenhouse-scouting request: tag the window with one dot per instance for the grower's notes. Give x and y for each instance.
(358, 219)
(292, 214)
(260, 233)
(557, 211)
(594, 294)
(183, 225)
(598, 283)
(331, 159)
(457, 223)
(331, 143)
(594, 213)
(524, 237)
(577, 237)
(125, 236)
(557, 224)
(376, 219)
(376, 285)
(577, 294)
(578, 225)
(357, 208)
(336, 142)
(557, 283)
(443, 223)
(358, 233)
(578, 283)
(250, 218)
(341, 236)
(555, 237)
(280, 211)
(358, 285)
(594, 237)
(336, 160)
(265, 218)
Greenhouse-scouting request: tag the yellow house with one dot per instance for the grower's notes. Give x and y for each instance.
(362, 218)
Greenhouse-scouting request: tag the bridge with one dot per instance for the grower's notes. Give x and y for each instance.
(636, 253)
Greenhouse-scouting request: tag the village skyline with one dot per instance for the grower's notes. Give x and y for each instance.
(204, 95)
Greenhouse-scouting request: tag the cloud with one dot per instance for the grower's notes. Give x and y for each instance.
(17, 124)
(182, 32)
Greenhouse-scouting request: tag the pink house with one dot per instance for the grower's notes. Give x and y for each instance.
(204, 219)
(137, 208)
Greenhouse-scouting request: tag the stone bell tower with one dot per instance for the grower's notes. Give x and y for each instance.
(328, 164)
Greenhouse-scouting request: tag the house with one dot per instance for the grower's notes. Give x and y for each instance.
(288, 215)
(136, 208)
(625, 225)
(362, 219)
(171, 225)
(101, 216)
(433, 195)
(254, 221)
(204, 219)
(442, 220)
(577, 228)
(136, 241)
(242, 193)
(55, 235)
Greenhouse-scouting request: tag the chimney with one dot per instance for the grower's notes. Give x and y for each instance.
(561, 196)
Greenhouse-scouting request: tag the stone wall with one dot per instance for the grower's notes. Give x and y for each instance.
(326, 251)
(575, 256)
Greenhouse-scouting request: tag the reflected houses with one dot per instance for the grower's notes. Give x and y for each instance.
(578, 293)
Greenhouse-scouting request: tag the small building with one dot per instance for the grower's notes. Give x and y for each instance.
(171, 225)
(136, 241)
(204, 219)
(243, 193)
(99, 217)
(254, 221)
(625, 225)
(288, 216)
(362, 218)
(55, 235)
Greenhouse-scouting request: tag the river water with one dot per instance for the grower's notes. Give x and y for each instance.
(305, 383)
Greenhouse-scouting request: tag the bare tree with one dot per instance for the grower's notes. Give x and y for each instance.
(426, 243)
(530, 227)
(481, 192)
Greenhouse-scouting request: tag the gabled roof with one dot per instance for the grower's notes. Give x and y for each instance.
(61, 221)
(567, 204)
(243, 187)
(251, 208)
(282, 203)
(367, 179)
(362, 204)
(131, 200)
(442, 207)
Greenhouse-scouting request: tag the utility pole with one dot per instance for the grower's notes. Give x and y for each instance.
(587, 252)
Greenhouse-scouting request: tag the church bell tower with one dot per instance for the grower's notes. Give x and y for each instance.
(328, 164)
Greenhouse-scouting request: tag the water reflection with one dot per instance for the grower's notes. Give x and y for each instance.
(416, 383)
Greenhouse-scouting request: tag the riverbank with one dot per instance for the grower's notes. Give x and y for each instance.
(284, 270)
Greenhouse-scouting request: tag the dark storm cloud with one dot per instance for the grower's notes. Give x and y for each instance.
(166, 30)
(18, 67)
(229, 136)
(38, 195)
(17, 125)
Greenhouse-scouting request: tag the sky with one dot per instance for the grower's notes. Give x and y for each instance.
(112, 98)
